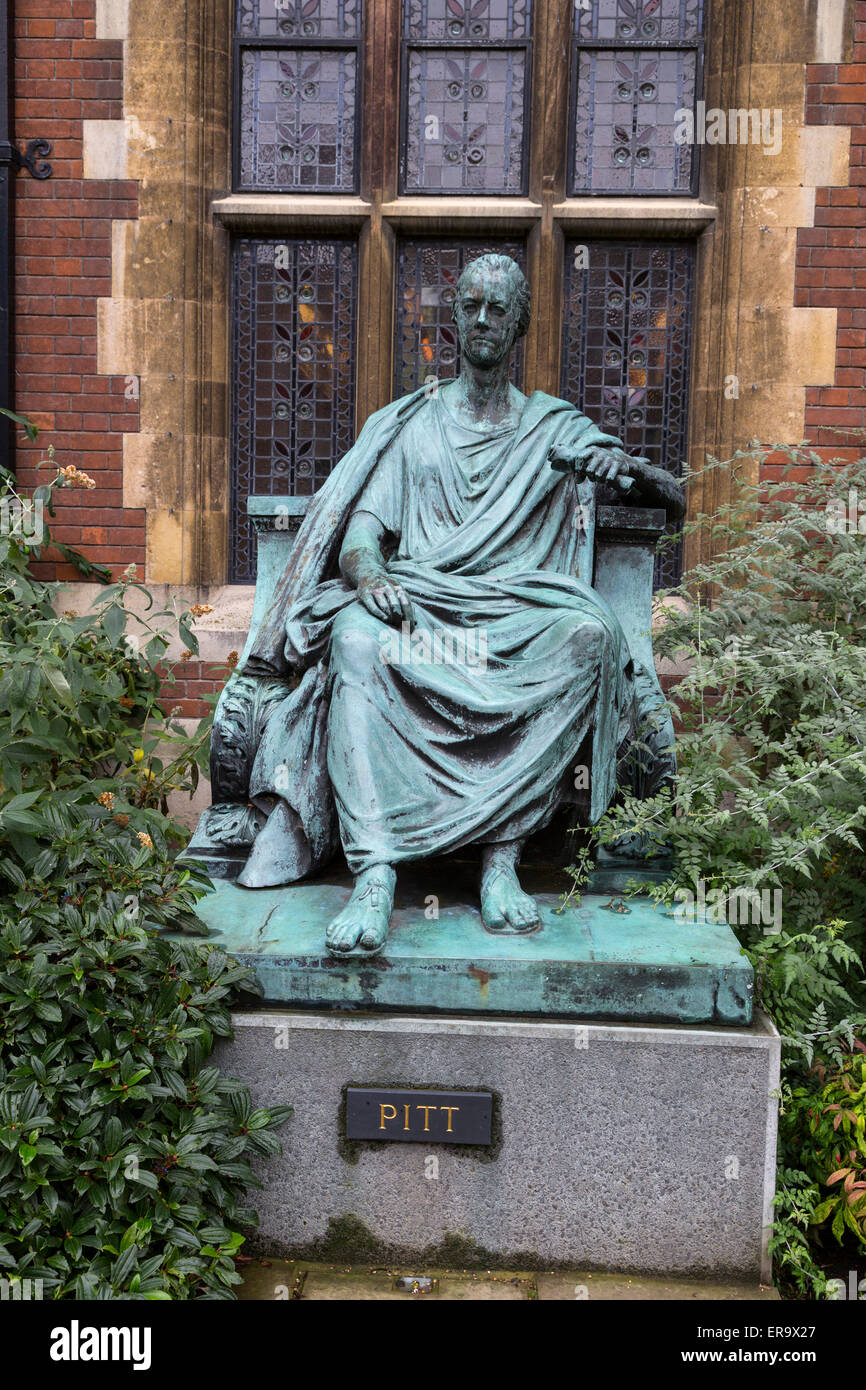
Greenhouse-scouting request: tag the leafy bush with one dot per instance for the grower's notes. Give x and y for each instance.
(124, 1158)
(771, 797)
(837, 1126)
(80, 710)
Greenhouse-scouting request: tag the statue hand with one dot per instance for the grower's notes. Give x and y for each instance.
(601, 464)
(385, 599)
(608, 465)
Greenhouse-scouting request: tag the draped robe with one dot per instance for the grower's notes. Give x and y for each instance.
(467, 728)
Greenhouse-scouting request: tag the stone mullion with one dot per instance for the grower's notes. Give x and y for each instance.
(208, 462)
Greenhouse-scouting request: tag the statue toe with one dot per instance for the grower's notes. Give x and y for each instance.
(526, 913)
(372, 939)
(342, 935)
(493, 921)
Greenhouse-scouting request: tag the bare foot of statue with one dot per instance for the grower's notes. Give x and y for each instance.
(505, 908)
(363, 922)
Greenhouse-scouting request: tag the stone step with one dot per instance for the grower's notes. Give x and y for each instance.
(301, 1280)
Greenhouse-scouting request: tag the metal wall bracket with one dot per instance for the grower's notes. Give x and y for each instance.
(33, 159)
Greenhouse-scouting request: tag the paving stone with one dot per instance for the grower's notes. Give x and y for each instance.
(575, 1286)
(269, 1279)
(324, 1282)
(300, 1280)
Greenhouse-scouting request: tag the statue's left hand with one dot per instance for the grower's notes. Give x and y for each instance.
(601, 464)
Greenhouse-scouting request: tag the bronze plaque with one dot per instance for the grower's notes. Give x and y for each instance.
(419, 1117)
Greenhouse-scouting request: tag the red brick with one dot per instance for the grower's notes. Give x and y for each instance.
(843, 92)
(839, 217)
(843, 197)
(812, 236)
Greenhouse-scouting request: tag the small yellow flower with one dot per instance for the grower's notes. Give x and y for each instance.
(145, 839)
(185, 655)
(198, 610)
(232, 660)
(106, 799)
(76, 478)
(138, 755)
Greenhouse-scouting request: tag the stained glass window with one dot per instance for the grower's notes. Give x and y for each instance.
(625, 358)
(298, 79)
(293, 353)
(465, 93)
(635, 71)
(426, 345)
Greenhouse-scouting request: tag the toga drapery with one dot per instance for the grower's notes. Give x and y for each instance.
(466, 729)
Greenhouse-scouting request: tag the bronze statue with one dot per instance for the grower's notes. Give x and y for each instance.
(455, 663)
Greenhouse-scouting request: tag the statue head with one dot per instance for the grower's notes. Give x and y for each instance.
(491, 309)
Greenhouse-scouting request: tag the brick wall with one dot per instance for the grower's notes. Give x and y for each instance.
(193, 680)
(64, 76)
(831, 256)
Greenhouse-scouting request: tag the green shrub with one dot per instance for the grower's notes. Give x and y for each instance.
(837, 1125)
(124, 1158)
(771, 794)
(81, 713)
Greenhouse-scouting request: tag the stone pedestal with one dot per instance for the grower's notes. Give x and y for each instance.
(609, 957)
(615, 1147)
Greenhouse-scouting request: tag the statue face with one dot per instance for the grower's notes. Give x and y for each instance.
(487, 318)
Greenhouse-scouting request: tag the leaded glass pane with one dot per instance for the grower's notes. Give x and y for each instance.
(426, 338)
(636, 66)
(464, 126)
(293, 349)
(487, 20)
(307, 19)
(639, 21)
(625, 358)
(625, 120)
(297, 120)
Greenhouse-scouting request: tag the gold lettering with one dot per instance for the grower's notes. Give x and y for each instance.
(382, 1116)
(406, 1117)
(426, 1109)
(450, 1110)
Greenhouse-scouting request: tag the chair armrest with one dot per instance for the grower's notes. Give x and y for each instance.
(625, 545)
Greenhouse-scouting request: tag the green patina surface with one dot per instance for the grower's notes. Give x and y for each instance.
(588, 961)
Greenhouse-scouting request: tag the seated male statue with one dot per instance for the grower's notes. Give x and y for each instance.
(455, 662)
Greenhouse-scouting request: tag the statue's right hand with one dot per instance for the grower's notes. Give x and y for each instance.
(385, 599)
